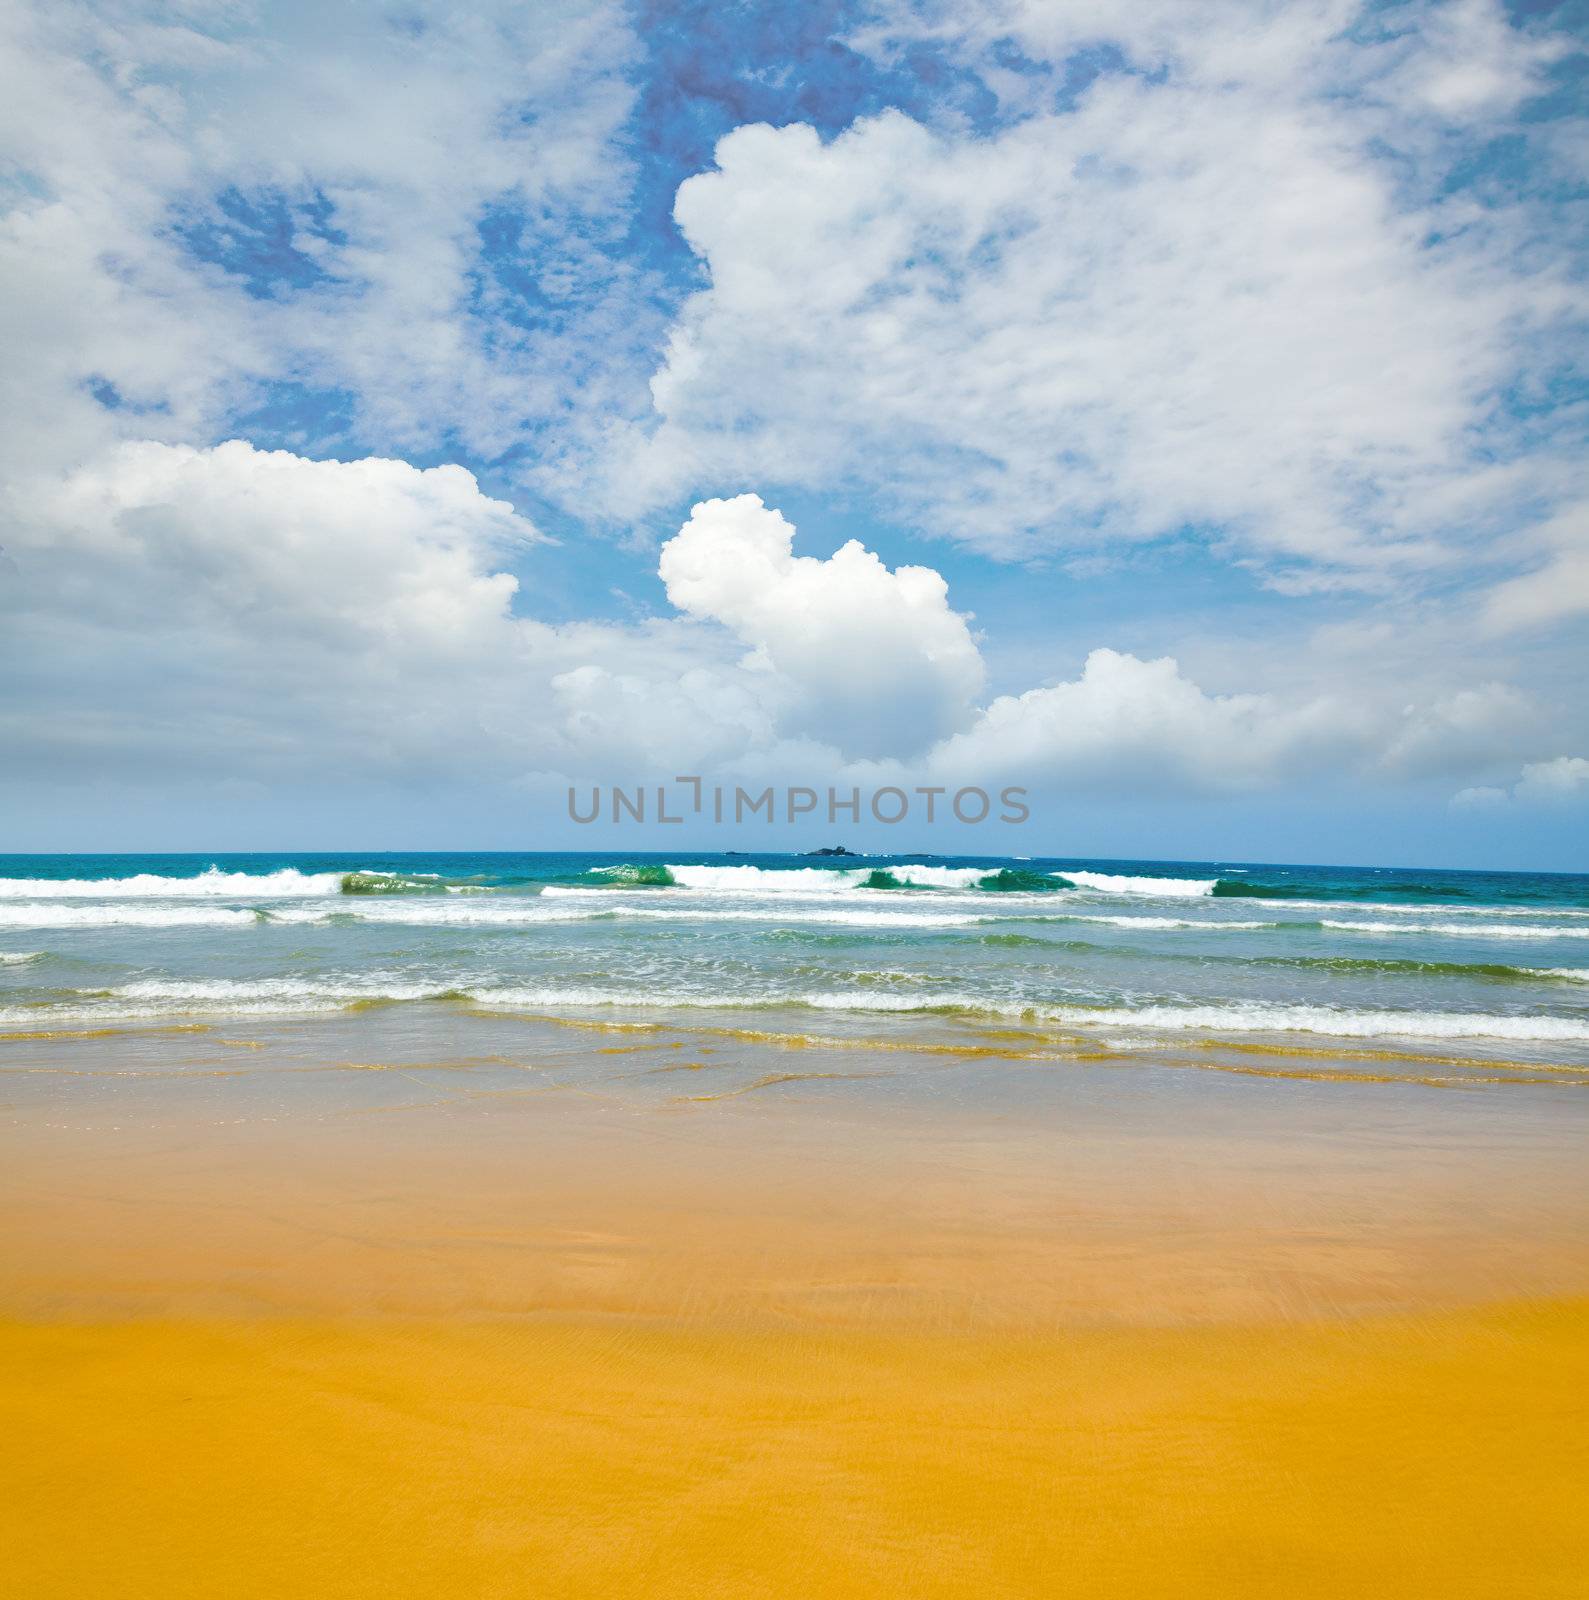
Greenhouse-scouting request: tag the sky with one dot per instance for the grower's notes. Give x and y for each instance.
(409, 412)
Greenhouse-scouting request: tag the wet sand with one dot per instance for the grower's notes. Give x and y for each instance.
(365, 1307)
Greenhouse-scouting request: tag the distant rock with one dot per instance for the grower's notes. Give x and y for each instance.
(832, 850)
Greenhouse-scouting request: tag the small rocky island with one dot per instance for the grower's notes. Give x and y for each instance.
(832, 850)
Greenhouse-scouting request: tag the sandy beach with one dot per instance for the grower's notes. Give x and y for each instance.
(634, 1308)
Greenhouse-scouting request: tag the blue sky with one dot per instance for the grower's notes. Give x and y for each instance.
(1202, 384)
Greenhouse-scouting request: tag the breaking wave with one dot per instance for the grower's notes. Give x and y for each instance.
(155, 998)
(839, 880)
(646, 875)
(1118, 883)
(368, 882)
(1445, 969)
(1461, 930)
(125, 916)
(211, 884)
(1246, 888)
(1260, 1017)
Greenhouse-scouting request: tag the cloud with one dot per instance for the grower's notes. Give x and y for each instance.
(264, 617)
(1557, 587)
(1458, 732)
(875, 662)
(1228, 285)
(250, 610)
(218, 209)
(1559, 783)
(1126, 722)
(373, 549)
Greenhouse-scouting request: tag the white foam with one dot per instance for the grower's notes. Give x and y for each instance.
(1235, 1018)
(123, 916)
(161, 997)
(768, 880)
(921, 876)
(520, 911)
(825, 880)
(528, 911)
(274, 989)
(1258, 1017)
(819, 915)
(1461, 930)
(1113, 883)
(42, 1019)
(1209, 926)
(18, 958)
(1424, 908)
(210, 884)
(1008, 902)
(841, 1000)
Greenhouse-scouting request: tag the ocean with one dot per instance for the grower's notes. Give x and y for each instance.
(1130, 954)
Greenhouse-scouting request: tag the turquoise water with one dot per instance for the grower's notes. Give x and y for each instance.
(1498, 962)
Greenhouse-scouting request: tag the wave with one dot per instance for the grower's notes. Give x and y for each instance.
(18, 958)
(35, 1021)
(846, 907)
(840, 880)
(1163, 922)
(825, 880)
(1245, 1018)
(1555, 913)
(1451, 969)
(1119, 883)
(1249, 889)
(813, 914)
(524, 912)
(213, 884)
(1263, 1017)
(365, 881)
(918, 875)
(419, 912)
(1015, 880)
(767, 880)
(210, 884)
(530, 912)
(225, 989)
(1460, 930)
(124, 916)
(162, 997)
(646, 875)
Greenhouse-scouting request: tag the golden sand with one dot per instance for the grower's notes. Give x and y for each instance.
(707, 1325)
(1439, 1457)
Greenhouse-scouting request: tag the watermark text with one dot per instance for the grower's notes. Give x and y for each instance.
(689, 798)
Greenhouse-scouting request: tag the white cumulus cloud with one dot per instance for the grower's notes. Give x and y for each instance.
(1563, 781)
(1127, 722)
(876, 662)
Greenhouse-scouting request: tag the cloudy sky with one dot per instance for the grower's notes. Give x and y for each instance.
(1175, 408)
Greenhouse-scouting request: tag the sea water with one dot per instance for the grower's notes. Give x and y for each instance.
(1144, 951)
